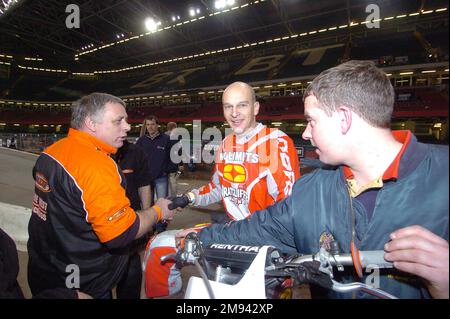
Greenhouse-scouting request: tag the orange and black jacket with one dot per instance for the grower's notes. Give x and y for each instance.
(81, 221)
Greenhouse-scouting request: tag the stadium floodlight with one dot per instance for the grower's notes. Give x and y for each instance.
(151, 24)
(6, 5)
(194, 11)
(219, 4)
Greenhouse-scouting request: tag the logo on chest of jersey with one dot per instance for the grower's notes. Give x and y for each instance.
(234, 173)
(235, 195)
(243, 157)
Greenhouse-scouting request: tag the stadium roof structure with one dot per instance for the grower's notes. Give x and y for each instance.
(111, 33)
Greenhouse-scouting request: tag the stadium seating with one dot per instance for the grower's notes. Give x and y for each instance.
(393, 49)
(420, 102)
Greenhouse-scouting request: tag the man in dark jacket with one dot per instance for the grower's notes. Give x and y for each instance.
(383, 189)
(173, 169)
(157, 148)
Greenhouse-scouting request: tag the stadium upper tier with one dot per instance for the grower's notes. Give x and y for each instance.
(276, 64)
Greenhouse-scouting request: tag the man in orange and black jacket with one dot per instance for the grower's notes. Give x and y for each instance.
(82, 222)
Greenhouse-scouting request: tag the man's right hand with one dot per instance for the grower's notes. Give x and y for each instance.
(166, 213)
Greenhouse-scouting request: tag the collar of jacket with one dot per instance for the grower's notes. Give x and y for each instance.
(88, 138)
(152, 137)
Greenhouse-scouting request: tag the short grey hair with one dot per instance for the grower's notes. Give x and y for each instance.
(359, 85)
(92, 106)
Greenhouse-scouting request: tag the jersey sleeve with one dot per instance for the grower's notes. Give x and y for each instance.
(108, 209)
(284, 168)
(212, 192)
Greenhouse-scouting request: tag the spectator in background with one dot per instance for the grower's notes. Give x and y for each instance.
(173, 169)
(157, 148)
(13, 143)
(134, 165)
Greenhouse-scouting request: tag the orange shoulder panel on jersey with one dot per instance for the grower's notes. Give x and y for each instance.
(97, 177)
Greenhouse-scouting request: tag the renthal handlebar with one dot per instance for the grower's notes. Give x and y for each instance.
(365, 259)
(325, 261)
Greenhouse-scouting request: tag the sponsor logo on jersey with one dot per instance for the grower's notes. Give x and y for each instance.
(242, 157)
(235, 173)
(235, 195)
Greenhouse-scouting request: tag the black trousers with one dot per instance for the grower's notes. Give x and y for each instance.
(129, 287)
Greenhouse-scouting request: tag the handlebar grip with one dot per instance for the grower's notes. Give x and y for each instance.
(178, 201)
(374, 259)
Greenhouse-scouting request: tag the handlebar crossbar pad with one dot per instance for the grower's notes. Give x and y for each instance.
(233, 256)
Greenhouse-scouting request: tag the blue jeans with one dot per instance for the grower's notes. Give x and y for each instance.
(160, 187)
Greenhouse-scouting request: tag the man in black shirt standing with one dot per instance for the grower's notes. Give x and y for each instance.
(133, 162)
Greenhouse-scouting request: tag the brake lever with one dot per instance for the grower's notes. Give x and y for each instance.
(168, 257)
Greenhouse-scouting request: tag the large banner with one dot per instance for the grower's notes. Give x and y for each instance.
(300, 62)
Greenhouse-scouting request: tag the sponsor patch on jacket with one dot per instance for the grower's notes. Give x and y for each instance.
(39, 207)
(117, 214)
(325, 240)
(41, 183)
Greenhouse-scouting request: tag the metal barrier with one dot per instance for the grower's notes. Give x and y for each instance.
(33, 143)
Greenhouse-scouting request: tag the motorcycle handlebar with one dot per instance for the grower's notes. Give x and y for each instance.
(374, 258)
(368, 258)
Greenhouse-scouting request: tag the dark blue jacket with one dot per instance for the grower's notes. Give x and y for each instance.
(320, 203)
(175, 151)
(158, 153)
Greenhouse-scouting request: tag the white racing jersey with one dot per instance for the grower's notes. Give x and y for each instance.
(251, 172)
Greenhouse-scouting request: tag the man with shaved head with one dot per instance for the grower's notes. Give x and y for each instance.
(255, 167)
